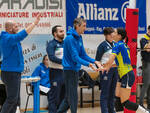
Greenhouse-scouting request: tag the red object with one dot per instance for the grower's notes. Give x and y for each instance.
(139, 79)
(132, 31)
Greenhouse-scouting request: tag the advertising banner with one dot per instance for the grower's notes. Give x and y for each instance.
(102, 13)
(24, 13)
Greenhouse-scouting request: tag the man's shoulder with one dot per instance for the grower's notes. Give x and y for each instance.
(51, 42)
(4, 35)
(69, 38)
(102, 44)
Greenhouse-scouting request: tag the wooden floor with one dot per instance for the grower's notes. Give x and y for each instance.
(90, 110)
(82, 110)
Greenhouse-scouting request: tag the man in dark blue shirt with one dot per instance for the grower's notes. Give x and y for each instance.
(107, 80)
(55, 53)
(13, 62)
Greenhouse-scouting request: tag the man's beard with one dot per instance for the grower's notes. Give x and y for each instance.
(14, 32)
(60, 37)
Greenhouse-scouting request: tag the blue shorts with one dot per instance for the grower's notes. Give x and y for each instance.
(127, 80)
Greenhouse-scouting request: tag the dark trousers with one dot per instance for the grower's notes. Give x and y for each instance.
(2, 95)
(12, 82)
(57, 91)
(71, 97)
(108, 84)
(146, 84)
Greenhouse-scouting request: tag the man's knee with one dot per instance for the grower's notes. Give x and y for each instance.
(12, 100)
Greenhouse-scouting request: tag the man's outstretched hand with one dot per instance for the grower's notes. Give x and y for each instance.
(37, 19)
(31, 27)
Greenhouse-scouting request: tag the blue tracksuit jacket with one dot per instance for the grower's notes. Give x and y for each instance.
(12, 56)
(74, 52)
(43, 72)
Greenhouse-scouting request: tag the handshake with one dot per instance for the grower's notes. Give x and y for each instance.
(100, 67)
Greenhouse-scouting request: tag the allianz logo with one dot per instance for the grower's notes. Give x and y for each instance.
(91, 11)
(123, 11)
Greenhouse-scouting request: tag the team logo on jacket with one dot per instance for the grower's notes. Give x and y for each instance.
(80, 44)
(58, 45)
(43, 71)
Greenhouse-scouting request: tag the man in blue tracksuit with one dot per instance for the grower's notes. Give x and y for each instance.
(13, 62)
(107, 80)
(55, 53)
(74, 56)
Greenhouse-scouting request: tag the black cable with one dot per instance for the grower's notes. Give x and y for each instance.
(140, 49)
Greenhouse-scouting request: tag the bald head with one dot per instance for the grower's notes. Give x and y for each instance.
(11, 27)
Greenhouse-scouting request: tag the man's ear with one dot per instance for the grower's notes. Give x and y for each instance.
(55, 34)
(77, 26)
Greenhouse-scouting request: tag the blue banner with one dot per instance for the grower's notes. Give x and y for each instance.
(141, 4)
(100, 14)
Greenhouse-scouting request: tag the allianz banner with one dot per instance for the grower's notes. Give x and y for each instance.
(102, 13)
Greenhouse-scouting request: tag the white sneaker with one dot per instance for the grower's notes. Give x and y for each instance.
(142, 110)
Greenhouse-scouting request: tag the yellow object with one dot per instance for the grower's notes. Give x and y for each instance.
(123, 69)
(147, 37)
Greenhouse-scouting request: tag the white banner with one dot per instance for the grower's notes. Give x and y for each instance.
(34, 48)
(25, 11)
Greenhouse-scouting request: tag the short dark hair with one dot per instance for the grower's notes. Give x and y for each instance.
(78, 21)
(54, 29)
(44, 58)
(149, 27)
(108, 30)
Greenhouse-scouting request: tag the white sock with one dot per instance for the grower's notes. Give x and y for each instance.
(18, 109)
(141, 110)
